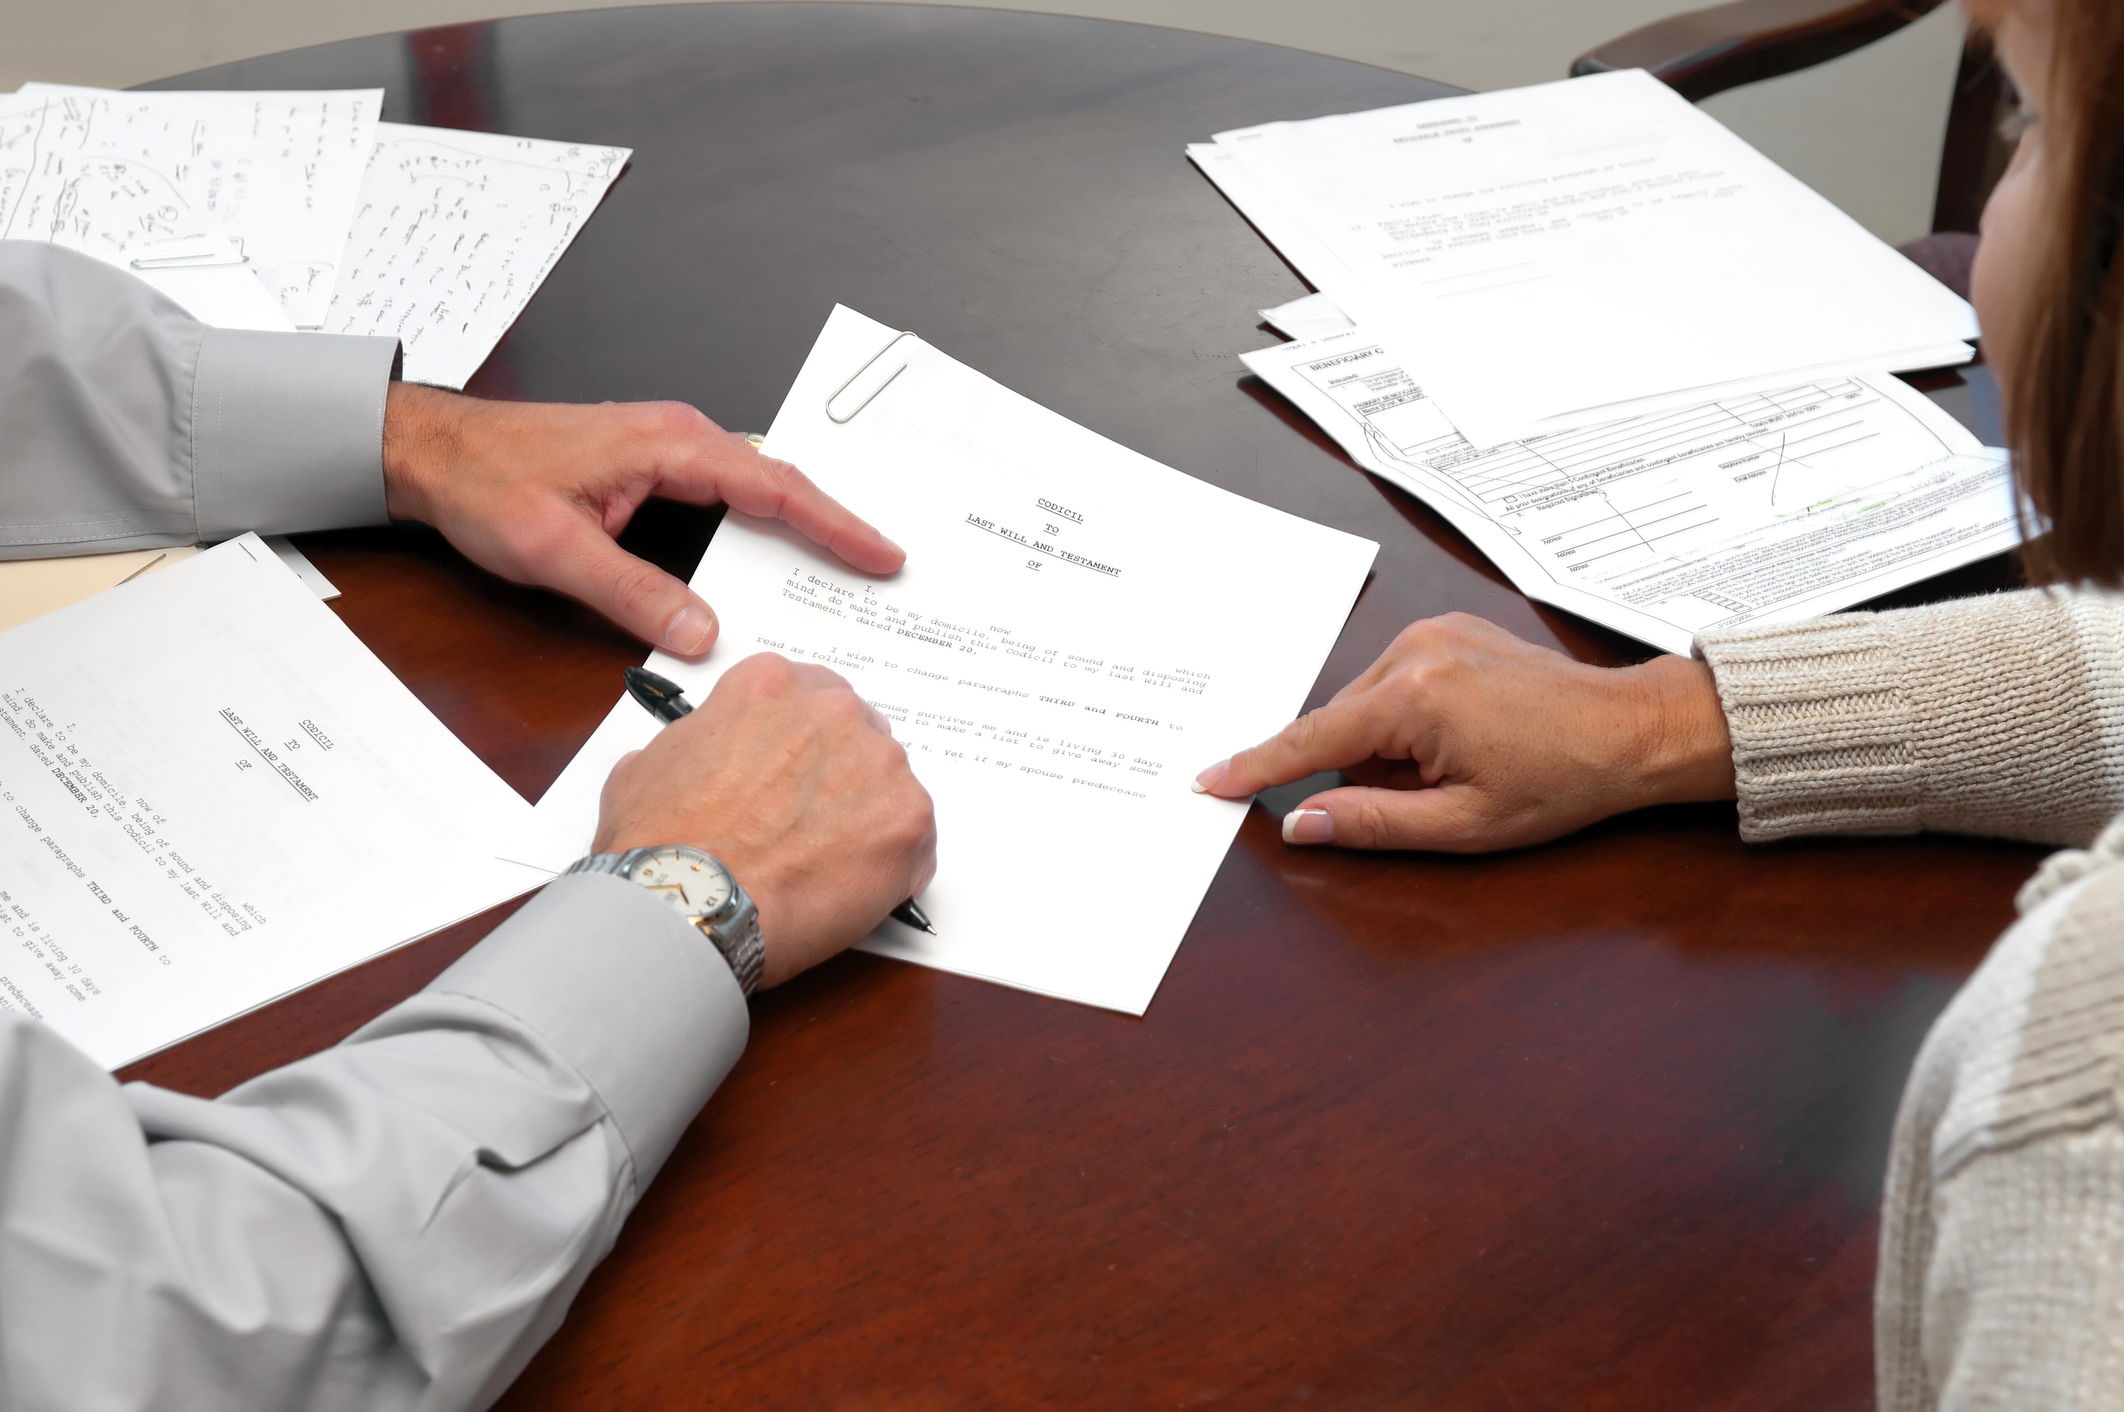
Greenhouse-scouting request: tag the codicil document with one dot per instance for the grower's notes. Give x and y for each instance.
(119, 175)
(212, 794)
(1760, 508)
(454, 233)
(1078, 630)
(1552, 257)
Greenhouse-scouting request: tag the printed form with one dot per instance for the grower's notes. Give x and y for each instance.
(454, 233)
(1759, 508)
(1553, 257)
(117, 175)
(212, 794)
(1078, 630)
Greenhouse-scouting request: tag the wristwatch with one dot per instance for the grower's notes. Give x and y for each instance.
(700, 889)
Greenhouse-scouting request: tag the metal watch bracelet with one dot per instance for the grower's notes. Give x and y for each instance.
(737, 939)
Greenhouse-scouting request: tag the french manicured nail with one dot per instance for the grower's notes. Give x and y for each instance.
(1210, 778)
(690, 631)
(1309, 826)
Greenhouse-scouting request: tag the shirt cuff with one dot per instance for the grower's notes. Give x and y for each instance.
(642, 1004)
(287, 432)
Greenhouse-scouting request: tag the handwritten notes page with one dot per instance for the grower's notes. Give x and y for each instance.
(116, 175)
(454, 233)
(1761, 508)
(1077, 631)
(1548, 258)
(212, 794)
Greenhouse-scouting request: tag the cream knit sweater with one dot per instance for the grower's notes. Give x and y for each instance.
(2001, 1280)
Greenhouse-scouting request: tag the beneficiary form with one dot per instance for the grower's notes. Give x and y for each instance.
(1761, 508)
(1077, 631)
(212, 794)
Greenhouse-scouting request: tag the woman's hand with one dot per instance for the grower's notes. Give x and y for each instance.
(1467, 739)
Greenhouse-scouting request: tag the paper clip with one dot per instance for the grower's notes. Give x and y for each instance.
(183, 262)
(190, 252)
(844, 421)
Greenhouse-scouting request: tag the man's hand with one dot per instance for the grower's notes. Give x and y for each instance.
(536, 491)
(798, 786)
(1470, 739)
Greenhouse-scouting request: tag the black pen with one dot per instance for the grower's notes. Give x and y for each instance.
(661, 698)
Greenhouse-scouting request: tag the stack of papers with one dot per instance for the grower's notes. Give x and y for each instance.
(302, 210)
(1549, 258)
(1643, 368)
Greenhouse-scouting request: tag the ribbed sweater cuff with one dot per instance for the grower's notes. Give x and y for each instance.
(1822, 728)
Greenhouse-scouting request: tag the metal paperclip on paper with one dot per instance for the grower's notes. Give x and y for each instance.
(867, 365)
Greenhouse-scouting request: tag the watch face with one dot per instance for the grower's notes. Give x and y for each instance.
(693, 883)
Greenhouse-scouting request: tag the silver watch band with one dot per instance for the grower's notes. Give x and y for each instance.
(613, 863)
(737, 937)
(742, 946)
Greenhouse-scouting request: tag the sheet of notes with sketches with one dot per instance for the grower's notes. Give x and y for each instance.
(1760, 508)
(1077, 631)
(212, 794)
(454, 233)
(281, 211)
(116, 175)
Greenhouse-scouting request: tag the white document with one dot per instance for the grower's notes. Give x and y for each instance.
(1763, 508)
(1278, 222)
(1078, 631)
(454, 233)
(1312, 316)
(212, 794)
(1550, 257)
(299, 565)
(109, 173)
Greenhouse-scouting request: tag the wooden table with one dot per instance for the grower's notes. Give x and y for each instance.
(1599, 1124)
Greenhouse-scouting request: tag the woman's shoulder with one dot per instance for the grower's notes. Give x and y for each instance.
(2032, 1044)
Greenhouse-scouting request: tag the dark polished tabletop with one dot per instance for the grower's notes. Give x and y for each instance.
(1598, 1124)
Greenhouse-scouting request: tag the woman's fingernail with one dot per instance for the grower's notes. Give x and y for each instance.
(690, 631)
(1309, 826)
(894, 547)
(1210, 778)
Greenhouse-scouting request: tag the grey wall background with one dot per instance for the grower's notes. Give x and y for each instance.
(1865, 130)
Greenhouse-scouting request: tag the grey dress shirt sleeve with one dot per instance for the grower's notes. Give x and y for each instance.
(395, 1223)
(125, 423)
